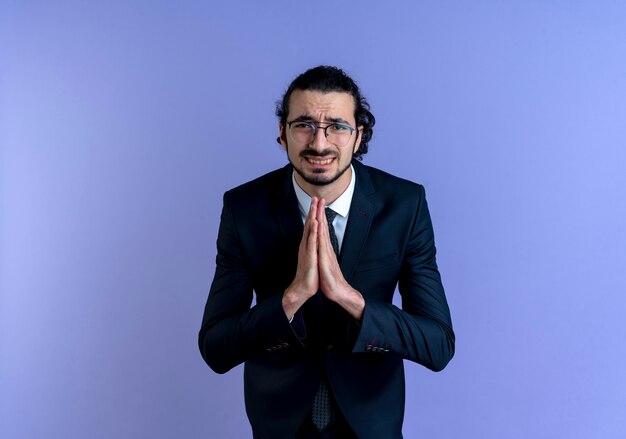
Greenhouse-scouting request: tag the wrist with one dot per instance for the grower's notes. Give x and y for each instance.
(353, 302)
(291, 302)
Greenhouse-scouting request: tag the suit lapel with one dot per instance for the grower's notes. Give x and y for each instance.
(362, 210)
(286, 210)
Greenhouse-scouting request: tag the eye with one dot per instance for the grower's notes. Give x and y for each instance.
(339, 128)
(302, 126)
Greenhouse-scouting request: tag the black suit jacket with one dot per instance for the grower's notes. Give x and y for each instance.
(388, 242)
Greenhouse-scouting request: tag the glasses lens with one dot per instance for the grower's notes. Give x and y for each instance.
(302, 132)
(338, 134)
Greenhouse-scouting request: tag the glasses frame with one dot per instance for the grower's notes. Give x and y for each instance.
(316, 127)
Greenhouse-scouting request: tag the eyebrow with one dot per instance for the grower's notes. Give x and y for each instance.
(309, 118)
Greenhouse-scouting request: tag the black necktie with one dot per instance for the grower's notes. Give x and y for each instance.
(330, 216)
(322, 410)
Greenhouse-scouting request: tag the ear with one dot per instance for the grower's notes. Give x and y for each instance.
(282, 139)
(357, 143)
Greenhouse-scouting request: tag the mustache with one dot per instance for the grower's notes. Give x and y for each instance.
(313, 153)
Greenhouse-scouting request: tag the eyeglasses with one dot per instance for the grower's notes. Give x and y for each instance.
(304, 132)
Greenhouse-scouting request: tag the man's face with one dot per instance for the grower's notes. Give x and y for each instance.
(318, 161)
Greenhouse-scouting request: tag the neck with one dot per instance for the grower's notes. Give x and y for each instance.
(329, 192)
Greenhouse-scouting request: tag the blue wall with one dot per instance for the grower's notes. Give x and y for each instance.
(122, 124)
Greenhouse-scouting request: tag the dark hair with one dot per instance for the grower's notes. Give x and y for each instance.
(328, 79)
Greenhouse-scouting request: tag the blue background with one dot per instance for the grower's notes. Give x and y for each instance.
(122, 123)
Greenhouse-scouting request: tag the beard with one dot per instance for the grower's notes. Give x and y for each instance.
(318, 177)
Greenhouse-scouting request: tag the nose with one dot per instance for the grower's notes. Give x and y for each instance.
(319, 140)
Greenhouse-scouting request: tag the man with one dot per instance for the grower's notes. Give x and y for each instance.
(323, 242)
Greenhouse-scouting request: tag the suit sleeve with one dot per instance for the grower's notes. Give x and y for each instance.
(232, 331)
(422, 330)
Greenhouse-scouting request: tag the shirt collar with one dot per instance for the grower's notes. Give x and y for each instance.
(341, 205)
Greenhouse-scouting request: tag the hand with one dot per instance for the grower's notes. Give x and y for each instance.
(306, 281)
(331, 280)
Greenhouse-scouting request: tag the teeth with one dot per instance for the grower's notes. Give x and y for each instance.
(319, 162)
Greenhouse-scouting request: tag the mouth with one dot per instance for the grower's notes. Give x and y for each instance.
(319, 161)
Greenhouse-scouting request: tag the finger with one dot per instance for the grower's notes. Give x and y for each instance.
(312, 239)
(321, 213)
(309, 218)
(310, 229)
(325, 252)
(313, 207)
(312, 211)
(324, 233)
(308, 224)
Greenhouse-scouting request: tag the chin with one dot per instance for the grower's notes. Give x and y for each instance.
(319, 179)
